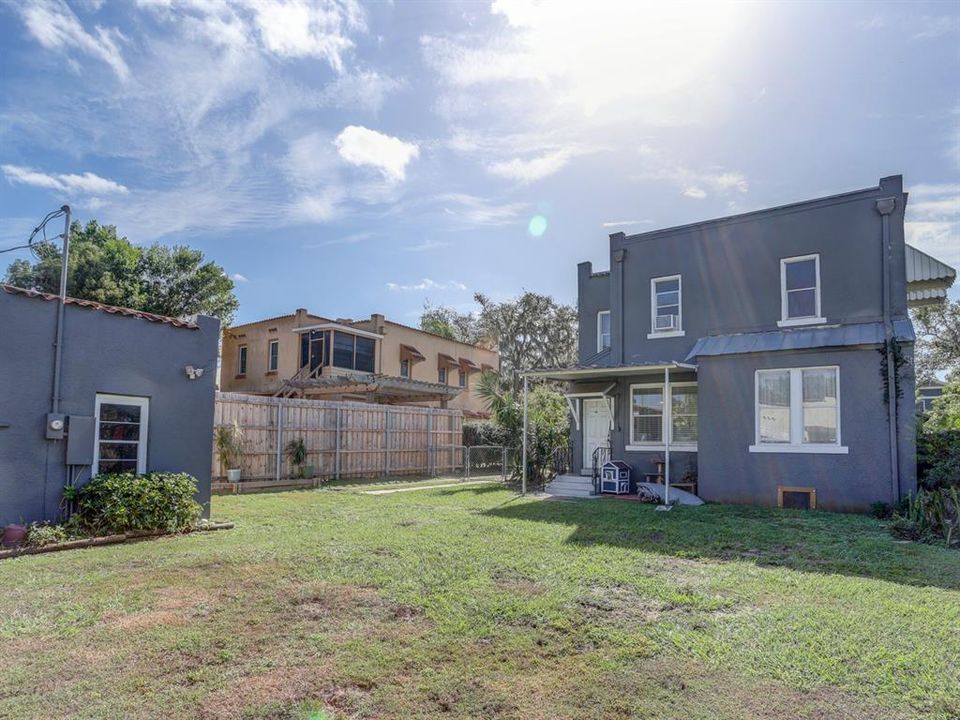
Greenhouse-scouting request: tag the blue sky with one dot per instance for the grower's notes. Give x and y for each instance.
(356, 158)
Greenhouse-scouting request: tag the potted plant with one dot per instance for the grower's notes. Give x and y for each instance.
(297, 452)
(229, 442)
(14, 535)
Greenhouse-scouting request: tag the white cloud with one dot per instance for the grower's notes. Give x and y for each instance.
(933, 220)
(620, 223)
(426, 245)
(68, 183)
(428, 284)
(537, 168)
(352, 239)
(693, 183)
(361, 146)
(473, 210)
(237, 277)
(695, 192)
(55, 26)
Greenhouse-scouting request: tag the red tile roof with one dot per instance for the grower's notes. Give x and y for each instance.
(113, 310)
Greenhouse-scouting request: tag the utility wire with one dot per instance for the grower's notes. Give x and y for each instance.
(42, 227)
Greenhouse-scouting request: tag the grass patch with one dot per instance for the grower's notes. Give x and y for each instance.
(467, 602)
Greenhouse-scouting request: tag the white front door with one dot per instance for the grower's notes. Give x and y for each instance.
(596, 428)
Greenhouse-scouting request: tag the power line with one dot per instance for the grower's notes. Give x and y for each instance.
(42, 227)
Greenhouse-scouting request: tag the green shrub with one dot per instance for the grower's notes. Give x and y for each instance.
(931, 516)
(484, 432)
(938, 457)
(161, 502)
(40, 534)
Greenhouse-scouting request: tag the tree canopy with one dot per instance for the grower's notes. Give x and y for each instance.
(529, 331)
(938, 340)
(107, 268)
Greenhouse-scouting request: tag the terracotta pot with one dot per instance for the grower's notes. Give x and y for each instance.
(14, 535)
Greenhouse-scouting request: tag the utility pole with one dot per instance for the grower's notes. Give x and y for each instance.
(58, 348)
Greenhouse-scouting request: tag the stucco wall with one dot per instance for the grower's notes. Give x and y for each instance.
(729, 472)
(102, 353)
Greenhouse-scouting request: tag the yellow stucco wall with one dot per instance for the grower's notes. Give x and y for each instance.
(260, 380)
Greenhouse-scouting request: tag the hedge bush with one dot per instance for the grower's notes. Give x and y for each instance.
(157, 502)
(938, 458)
(484, 432)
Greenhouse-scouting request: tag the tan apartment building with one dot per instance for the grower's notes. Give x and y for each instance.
(374, 360)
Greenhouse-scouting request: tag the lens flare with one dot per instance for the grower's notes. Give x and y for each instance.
(537, 226)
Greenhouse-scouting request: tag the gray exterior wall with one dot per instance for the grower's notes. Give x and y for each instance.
(102, 353)
(730, 272)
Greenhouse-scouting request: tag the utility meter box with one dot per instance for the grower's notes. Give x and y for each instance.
(80, 429)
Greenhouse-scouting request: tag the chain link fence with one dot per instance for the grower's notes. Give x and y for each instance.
(473, 462)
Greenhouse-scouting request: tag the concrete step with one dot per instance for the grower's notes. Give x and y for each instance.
(555, 492)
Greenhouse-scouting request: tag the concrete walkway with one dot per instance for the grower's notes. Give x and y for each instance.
(429, 487)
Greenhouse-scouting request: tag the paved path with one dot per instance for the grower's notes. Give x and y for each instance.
(429, 487)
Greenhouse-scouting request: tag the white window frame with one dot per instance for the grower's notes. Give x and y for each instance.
(270, 366)
(786, 321)
(242, 352)
(796, 444)
(144, 404)
(666, 429)
(679, 332)
(600, 346)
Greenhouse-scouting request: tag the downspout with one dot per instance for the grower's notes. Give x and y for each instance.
(885, 206)
(618, 259)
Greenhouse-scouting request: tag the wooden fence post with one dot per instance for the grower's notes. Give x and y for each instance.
(278, 434)
(386, 441)
(336, 459)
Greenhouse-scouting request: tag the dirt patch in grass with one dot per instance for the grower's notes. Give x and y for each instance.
(280, 687)
(516, 583)
(621, 604)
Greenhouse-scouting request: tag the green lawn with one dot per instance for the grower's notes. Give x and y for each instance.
(470, 602)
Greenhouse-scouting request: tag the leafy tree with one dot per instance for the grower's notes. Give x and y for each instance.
(938, 340)
(451, 324)
(108, 268)
(945, 411)
(548, 423)
(531, 331)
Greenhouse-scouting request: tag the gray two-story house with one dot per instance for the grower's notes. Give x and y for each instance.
(762, 358)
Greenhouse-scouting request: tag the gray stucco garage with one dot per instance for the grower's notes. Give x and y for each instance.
(128, 402)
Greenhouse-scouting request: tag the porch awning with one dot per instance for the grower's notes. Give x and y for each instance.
(579, 372)
(928, 279)
(444, 360)
(800, 339)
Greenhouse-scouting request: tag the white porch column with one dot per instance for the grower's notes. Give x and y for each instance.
(523, 471)
(668, 422)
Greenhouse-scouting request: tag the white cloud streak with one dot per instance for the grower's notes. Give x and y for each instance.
(427, 284)
(533, 169)
(87, 183)
(933, 220)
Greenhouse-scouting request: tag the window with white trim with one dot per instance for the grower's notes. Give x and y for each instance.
(603, 330)
(666, 315)
(798, 410)
(121, 434)
(800, 290)
(273, 355)
(650, 416)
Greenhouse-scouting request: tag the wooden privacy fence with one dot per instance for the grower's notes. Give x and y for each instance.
(343, 439)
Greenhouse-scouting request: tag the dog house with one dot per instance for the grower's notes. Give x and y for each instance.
(615, 477)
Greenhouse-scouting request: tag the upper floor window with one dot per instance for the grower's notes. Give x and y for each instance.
(666, 314)
(798, 410)
(273, 355)
(603, 330)
(442, 375)
(242, 360)
(800, 290)
(353, 352)
(463, 378)
(405, 368)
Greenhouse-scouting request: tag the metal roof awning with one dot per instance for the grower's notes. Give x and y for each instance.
(928, 279)
(587, 373)
(800, 339)
(444, 360)
(409, 352)
(469, 365)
